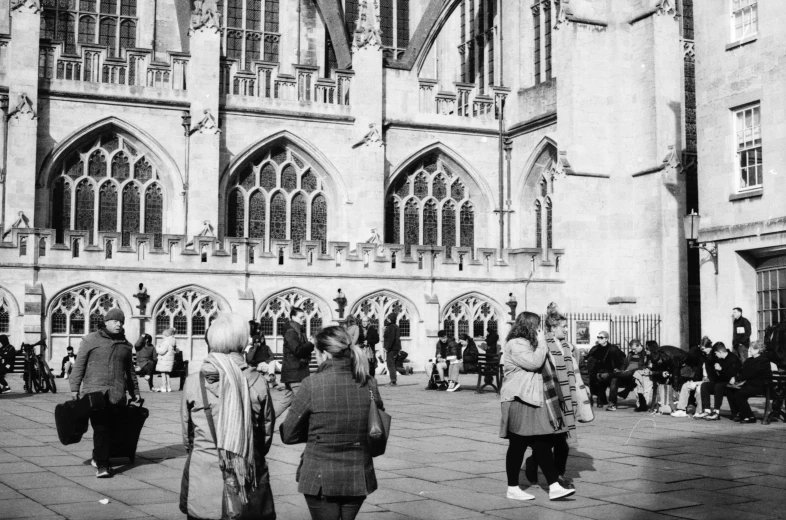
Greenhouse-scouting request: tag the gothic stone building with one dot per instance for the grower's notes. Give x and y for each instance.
(236, 155)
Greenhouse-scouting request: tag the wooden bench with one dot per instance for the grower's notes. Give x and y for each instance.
(488, 366)
(775, 391)
(312, 366)
(179, 368)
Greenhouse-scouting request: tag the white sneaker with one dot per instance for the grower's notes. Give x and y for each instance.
(701, 415)
(557, 492)
(679, 413)
(456, 386)
(516, 493)
(451, 386)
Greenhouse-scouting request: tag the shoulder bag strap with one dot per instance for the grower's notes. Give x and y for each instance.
(207, 408)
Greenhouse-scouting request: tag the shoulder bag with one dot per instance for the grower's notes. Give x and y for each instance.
(378, 427)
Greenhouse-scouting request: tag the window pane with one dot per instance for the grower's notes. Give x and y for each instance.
(319, 221)
(131, 214)
(127, 34)
(107, 208)
(298, 221)
(128, 7)
(107, 34)
(87, 29)
(154, 207)
(235, 214)
(278, 217)
(271, 18)
(256, 215)
(254, 15)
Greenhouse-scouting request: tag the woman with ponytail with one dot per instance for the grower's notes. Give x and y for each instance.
(228, 422)
(330, 414)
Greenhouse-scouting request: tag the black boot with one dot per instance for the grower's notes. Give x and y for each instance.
(642, 407)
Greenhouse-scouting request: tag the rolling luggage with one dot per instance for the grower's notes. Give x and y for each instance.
(128, 423)
(72, 417)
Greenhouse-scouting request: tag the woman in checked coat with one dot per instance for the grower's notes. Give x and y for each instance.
(330, 414)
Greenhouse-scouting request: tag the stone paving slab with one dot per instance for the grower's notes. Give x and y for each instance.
(445, 461)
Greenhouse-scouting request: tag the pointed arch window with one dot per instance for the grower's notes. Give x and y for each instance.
(467, 225)
(538, 224)
(5, 316)
(288, 216)
(273, 314)
(189, 311)
(411, 225)
(449, 227)
(543, 207)
(376, 307)
(109, 157)
(548, 223)
(78, 312)
(393, 222)
(474, 310)
(430, 224)
(249, 23)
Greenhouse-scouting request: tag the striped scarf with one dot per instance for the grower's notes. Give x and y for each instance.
(235, 424)
(559, 381)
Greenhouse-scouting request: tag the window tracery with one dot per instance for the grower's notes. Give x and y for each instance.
(67, 315)
(376, 307)
(472, 309)
(190, 311)
(273, 315)
(5, 316)
(245, 32)
(86, 21)
(543, 208)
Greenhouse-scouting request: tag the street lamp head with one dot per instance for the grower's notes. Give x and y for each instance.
(691, 224)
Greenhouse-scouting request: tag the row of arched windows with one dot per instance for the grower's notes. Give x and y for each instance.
(104, 22)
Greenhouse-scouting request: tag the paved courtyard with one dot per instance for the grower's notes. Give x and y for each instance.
(444, 461)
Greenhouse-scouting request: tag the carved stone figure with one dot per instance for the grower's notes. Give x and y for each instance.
(24, 109)
(341, 301)
(143, 299)
(205, 16)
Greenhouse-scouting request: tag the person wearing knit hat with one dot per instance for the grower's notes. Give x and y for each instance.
(105, 365)
(392, 345)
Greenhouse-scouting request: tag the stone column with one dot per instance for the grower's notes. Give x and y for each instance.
(23, 105)
(203, 171)
(368, 147)
(33, 315)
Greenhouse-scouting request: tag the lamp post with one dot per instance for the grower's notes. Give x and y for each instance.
(691, 226)
(186, 124)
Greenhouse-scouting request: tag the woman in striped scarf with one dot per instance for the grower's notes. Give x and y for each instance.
(532, 413)
(228, 421)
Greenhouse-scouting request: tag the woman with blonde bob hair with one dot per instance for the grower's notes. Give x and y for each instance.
(228, 422)
(330, 414)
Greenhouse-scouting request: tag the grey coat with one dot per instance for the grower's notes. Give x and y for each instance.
(330, 414)
(104, 364)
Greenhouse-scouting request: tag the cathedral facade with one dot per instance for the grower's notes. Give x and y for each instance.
(439, 159)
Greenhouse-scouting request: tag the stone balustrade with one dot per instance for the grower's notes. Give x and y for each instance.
(94, 65)
(464, 102)
(27, 246)
(265, 81)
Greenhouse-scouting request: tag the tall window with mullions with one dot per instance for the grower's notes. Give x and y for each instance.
(394, 25)
(104, 22)
(771, 294)
(251, 31)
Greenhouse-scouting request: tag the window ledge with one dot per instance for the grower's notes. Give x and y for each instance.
(746, 195)
(740, 43)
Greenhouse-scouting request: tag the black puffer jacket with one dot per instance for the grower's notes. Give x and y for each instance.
(668, 359)
(604, 359)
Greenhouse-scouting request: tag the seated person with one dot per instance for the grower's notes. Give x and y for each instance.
(146, 358)
(749, 382)
(68, 363)
(603, 360)
(635, 374)
(699, 359)
(469, 354)
(666, 370)
(7, 359)
(727, 365)
(260, 357)
(447, 350)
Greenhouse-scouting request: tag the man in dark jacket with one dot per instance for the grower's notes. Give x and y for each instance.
(603, 360)
(104, 365)
(699, 361)
(67, 365)
(146, 357)
(741, 338)
(259, 356)
(7, 359)
(726, 367)
(392, 345)
(297, 356)
(748, 383)
(370, 339)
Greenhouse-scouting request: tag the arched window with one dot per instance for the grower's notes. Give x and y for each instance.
(190, 311)
(378, 306)
(467, 225)
(90, 164)
(411, 225)
(431, 177)
(319, 221)
(107, 207)
(5, 316)
(475, 315)
(542, 173)
(273, 314)
(68, 313)
(288, 209)
(58, 23)
(154, 207)
(548, 223)
(298, 221)
(476, 48)
(394, 25)
(246, 31)
(539, 224)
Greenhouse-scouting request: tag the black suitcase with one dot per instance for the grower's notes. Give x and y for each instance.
(128, 423)
(72, 417)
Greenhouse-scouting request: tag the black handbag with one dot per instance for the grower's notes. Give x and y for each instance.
(378, 428)
(260, 499)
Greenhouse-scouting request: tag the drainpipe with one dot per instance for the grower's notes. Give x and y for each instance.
(501, 173)
(4, 165)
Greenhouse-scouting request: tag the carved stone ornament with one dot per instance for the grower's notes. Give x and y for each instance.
(21, 221)
(372, 138)
(367, 31)
(26, 5)
(564, 13)
(23, 109)
(671, 163)
(205, 17)
(561, 167)
(207, 230)
(668, 7)
(208, 124)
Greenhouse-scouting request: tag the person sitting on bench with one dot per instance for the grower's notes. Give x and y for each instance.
(726, 367)
(755, 373)
(603, 360)
(447, 350)
(636, 375)
(699, 358)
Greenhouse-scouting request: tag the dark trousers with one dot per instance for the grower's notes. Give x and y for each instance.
(715, 389)
(541, 449)
(738, 400)
(561, 451)
(390, 362)
(147, 370)
(333, 508)
(3, 372)
(599, 389)
(101, 421)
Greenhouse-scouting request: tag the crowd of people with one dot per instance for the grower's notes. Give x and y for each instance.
(700, 377)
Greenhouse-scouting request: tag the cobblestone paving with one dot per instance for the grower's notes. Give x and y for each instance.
(444, 461)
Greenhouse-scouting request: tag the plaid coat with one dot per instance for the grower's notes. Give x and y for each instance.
(330, 414)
